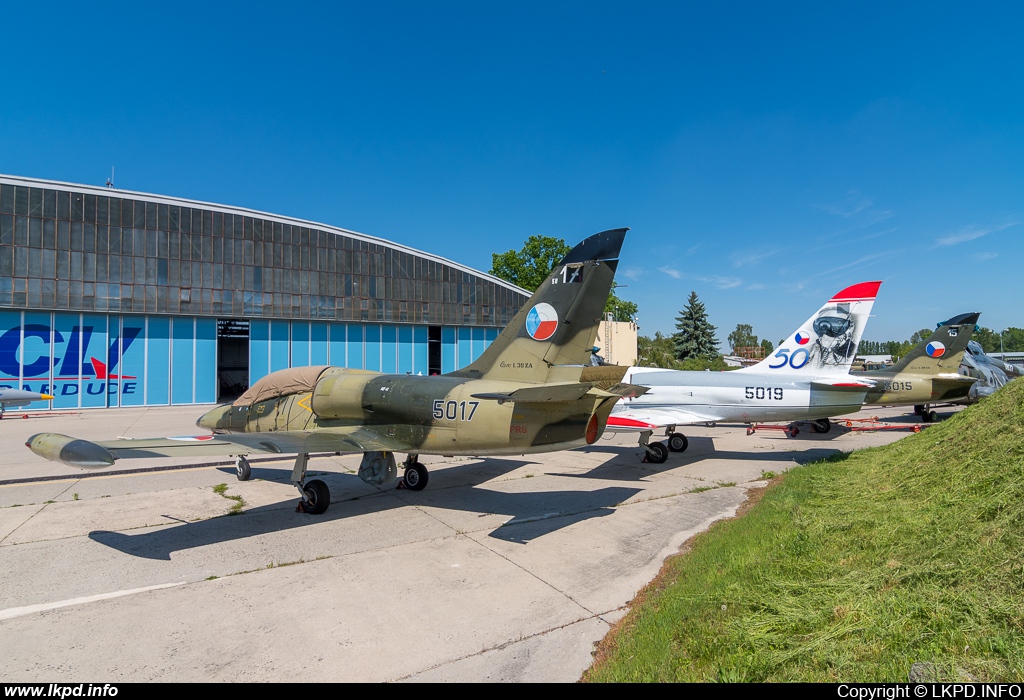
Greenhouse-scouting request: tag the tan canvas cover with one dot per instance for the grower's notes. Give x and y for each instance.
(294, 380)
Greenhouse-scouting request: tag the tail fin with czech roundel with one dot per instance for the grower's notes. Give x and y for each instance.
(827, 342)
(558, 325)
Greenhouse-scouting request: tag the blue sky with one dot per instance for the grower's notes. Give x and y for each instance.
(764, 155)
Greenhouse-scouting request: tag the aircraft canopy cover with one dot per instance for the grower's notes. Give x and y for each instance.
(294, 380)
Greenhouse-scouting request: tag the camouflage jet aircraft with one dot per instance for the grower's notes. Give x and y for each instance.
(18, 397)
(807, 378)
(530, 391)
(928, 374)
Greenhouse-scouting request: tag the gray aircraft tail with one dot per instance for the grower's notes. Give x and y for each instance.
(558, 325)
(942, 351)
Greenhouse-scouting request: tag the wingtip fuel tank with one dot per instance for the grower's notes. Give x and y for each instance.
(73, 452)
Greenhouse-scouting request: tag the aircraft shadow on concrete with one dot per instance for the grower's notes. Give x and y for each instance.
(533, 514)
(631, 468)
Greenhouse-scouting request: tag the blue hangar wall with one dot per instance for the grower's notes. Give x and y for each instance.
(89, 360)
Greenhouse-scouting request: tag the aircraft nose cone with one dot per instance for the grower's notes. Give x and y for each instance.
(211, 419)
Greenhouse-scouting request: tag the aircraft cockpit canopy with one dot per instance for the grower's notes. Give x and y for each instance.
(294, 380)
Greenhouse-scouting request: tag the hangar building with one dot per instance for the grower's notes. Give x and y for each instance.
(114, 298)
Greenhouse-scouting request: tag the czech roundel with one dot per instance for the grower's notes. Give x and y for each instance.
(935, 349)
(802, 338)
(542, 321)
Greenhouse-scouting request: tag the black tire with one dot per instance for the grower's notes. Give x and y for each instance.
(657, 453)
(318, 497)
(242, 469)
(927, 416)
(416, 477)
(677, 442)
(822, 425)
(933, 417)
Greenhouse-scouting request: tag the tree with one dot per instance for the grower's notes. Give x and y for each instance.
(695, 336)
(532, 264)
(742, 337)
(920, 335)
(768, 347)
(658, 351)
(529, 266)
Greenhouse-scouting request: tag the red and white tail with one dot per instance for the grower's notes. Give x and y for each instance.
(827, 342)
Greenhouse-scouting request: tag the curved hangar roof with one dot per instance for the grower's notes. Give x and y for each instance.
(464, 295)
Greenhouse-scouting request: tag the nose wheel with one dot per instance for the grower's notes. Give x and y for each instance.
(242, 469)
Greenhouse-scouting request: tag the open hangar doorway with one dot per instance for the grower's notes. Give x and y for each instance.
(232, 359)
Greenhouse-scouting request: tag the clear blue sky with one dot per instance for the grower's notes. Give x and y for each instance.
(765, 155)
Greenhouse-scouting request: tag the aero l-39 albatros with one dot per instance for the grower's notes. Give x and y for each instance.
(929, 373)
(531, 391)
(807, 378)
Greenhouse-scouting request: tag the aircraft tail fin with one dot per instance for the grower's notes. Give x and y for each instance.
(558, 325)
(942, 351)
(827, 342)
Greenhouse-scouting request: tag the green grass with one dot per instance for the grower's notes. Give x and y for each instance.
(853, 569)
(239, 503)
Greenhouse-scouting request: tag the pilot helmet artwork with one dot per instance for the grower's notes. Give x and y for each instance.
(835, 328)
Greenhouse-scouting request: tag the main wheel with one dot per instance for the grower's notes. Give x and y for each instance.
(927, 416)
(677, 442)
(318, 496)
(933, 417)
(822, 425)
(242, 469)
(919, 409)
(415, 477)
(656, 453)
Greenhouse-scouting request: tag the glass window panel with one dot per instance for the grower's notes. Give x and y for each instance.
(7, 199)
(173, 218)
(77, 206)
(89, 238)
(102, 209)
(139, 243)
(21, 230)
(207, 222)
(114, 268)
(89, 267)
(76, 266)
(115, 210)
(6, 261)
(162, 217)
(151, 249)
(35, 202)
(21, 200)
(35, 232)
(174, 246)
(49, 233)
(151, 215)
(90, 208)
(161, 244)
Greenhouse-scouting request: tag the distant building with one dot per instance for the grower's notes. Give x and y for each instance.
(114, 298)
(617, 342)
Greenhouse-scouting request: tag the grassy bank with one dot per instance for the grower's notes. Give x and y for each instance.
(853, 569)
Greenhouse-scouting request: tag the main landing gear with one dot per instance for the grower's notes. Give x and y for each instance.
(822, 425)
(416, 475)
(657, 452)
(927, 415)
(315, 494)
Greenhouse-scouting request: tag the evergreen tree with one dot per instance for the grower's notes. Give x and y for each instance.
(695, 338)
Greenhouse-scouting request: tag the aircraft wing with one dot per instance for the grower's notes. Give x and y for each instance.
(842, 383)
(568, 391)
(652, 418)
(85, 454)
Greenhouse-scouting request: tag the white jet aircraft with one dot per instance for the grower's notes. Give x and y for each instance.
(807, 378)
